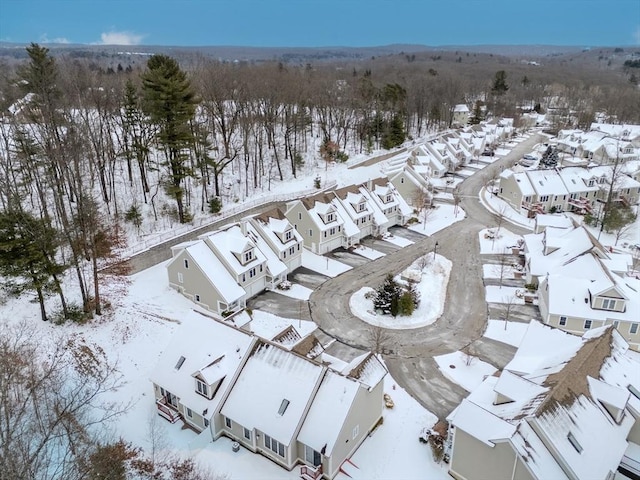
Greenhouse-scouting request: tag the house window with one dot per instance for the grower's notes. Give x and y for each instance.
(325, 234)
(330, 217)
(544, 198)
(247, 433)
(332, 231)
(615, 324)
(244, 278)
(284, 254)
(288, 235)
(311, 456)
(248, 256)
(299, 215)
(574, 443)
(587, 324)
(402, 180)
(206, 423)
(388, 199)
(274, 445)
(186, 263)
(633, 329)
(189, 413)
(563, 321)
(252, 272)
(180, 278)
(310, 232)
(355, 432)
(292, 250)
(298, 247)
(202, 388)
(608, 304)
(228, 423)
(361, 207)
(197, 298)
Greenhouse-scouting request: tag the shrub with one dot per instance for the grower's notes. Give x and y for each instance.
(316, 182)
(215, 205)
(133, 216)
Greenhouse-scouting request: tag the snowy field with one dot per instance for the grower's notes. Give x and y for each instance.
(510, 333)
(440, 218)
(493, 271)
(433, 292)
(465, 370)
(323, 265)
(501, 243)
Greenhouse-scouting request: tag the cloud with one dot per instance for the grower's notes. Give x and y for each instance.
(120, 38)
(44, 38)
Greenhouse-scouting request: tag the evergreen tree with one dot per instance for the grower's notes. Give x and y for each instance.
(405, 304)
(170, 102)
(387, 295)
(500, 85)
(28, 248)
(476, 116)
(394, 133)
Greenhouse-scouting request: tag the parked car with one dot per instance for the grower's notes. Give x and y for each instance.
(529, 157)
(488, 153)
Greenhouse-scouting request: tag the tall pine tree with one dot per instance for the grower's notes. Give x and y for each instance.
(170, 103)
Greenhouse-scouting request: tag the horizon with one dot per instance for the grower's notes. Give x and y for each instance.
(322, 24)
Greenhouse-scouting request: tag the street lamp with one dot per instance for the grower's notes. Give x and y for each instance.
(435, 249)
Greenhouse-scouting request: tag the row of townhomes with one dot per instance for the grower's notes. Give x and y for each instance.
(581, 284)
(273, 395)
(565, 407)
(603, 144)
(221, 270)
(573, 189)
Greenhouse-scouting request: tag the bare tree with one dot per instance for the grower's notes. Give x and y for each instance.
(51, 403)
(422, 201)
(507, 306)
(502, 267)
(378, 338)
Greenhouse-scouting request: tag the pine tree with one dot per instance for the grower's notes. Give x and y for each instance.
(500, 86)
(476, 116)
(387, 295)
(28, 248)
(170, 102)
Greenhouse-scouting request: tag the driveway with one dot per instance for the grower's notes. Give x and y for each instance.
(463, 321)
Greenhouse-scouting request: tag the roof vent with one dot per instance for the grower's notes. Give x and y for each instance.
(283, 407)
(180, 362)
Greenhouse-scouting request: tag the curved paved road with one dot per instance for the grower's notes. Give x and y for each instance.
(465, 313)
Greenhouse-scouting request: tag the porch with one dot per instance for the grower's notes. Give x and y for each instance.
(310, 473)
(167, 411)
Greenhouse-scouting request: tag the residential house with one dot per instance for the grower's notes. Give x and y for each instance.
(274, 228)
(283, 398)
(389, 208)
(316, 219)
(411, 186)
(460, 115)
(565, 407)
(356, 212)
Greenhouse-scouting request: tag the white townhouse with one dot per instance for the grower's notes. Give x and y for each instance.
(356, 212)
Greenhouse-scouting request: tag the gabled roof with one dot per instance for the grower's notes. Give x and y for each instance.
(216, 356)
(367, 369)
(273, 374)
(232, 241)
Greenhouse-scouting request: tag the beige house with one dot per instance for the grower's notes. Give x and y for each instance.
(356, 212)
(316, 219)
(409, 184)
(282, 398)
(460, 115)
(389, 208)
(565, 407)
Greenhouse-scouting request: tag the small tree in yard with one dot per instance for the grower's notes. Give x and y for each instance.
(387, 295)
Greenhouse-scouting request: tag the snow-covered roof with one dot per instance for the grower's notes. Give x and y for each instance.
(209, 348)
(232, 241)
(272, 225)
(546, 182)
(367, 369)
(328, 413)
(215, 271)
(275, 267)
(273, 380)
(461, 108)
(559, 384)
(557, 220)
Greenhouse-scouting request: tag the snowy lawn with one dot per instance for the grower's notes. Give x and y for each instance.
(466, 172)
(296, 291)
(367, 252)
(501, 152)
(398, 241)
(465, 370)
(446, 182)
(324, 265)
(510, 333)
(433, 291)
(500, 243)
(440, 217)
(496, 294)
(493, 271)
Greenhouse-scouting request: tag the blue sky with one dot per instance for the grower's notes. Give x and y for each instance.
(309, 23)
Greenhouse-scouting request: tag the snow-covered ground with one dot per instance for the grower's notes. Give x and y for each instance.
(465, 370)
(398, 241)
(496, 294)
(498, 206)
(494, 270)
(323, 265)
(501, 242)
(433, 291)
(295, 291)
(367, 252)
(506, 332)
(439, 218)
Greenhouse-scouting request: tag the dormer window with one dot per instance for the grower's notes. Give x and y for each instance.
(330, 217)
(361, 207)
(591, 183)
(248, 256)
(202, 388)
(608, 304)
(388, 199)
(288, 235)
